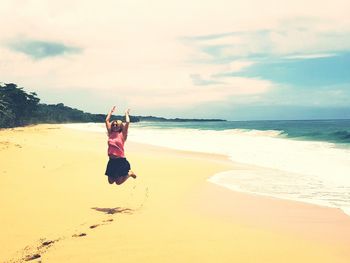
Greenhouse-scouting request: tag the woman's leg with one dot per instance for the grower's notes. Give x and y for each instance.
(121, 179)
(111, 180)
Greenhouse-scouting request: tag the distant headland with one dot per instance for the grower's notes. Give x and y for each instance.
(19, 108)
(152, 118)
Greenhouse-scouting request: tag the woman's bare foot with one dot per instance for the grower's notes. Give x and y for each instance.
(132, 174)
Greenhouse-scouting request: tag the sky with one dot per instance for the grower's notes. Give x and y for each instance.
(236, 60)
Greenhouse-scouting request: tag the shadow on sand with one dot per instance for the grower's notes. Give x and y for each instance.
(115, 210)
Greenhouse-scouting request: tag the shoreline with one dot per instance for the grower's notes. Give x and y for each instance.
(298, 200)
(170, 195)
(225, 159)
(274, 175)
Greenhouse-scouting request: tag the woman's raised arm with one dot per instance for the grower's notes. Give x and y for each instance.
(108, 123)
(126, 125)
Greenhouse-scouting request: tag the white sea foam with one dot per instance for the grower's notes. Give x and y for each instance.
(94, 127)
(308, 171)
(284, 185)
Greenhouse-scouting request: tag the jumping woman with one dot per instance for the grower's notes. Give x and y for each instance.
(118, 168)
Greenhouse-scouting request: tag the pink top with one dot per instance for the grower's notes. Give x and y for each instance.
(116, 144)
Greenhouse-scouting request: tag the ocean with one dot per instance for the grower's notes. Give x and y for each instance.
(306, 161)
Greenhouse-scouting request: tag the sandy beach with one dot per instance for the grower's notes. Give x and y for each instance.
(57, 206)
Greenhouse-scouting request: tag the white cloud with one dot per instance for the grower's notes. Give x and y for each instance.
(135, 48)
(311, 56)
(198, 95)
(283, 40)
(238, 65)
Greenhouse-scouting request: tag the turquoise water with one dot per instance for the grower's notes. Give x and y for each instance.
(307, 161)
(335, 131)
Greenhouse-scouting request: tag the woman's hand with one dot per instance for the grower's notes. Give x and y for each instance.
(108, 124)
(126, 125)
(127, 118)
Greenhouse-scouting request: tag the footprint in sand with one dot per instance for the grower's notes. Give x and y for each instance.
(79, 235)
(47, 243)
(32, 257)
(36, 251)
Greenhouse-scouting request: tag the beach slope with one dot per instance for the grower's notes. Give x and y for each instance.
(57, 206)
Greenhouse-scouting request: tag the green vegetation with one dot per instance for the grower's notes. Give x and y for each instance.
(18, 108)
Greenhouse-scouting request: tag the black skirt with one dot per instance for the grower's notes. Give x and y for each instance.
(117, 167)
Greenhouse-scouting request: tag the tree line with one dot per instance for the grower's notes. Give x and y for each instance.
(19, 108)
